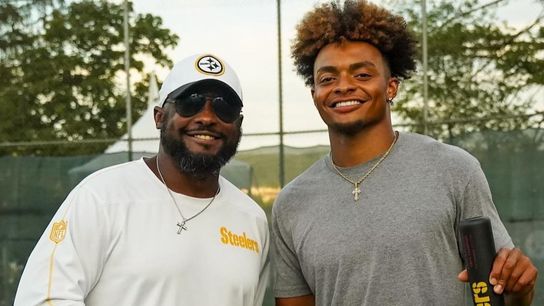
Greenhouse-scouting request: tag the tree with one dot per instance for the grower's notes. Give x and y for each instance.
(477, 69)
(62, 68)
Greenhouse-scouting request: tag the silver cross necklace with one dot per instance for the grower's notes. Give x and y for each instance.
(181, 224)
(356, 190)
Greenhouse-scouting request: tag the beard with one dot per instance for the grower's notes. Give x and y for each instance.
(199, 166)
(349, 129)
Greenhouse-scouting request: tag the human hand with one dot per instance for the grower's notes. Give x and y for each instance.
(512, 273)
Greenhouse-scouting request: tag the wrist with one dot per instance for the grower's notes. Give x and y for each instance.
(520, 299)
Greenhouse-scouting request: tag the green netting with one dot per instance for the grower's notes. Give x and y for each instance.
(513, 163)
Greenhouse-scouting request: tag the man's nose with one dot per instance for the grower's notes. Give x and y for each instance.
(344, 84)
(206, 114)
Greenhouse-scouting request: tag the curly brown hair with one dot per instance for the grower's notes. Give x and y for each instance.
(357, 21)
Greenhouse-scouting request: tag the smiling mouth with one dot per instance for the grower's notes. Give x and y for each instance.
(203, 134)
(204, 137)
(346, 103)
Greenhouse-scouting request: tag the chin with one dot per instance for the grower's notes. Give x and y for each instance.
(349, 129)
(202, 162)
(203, 150)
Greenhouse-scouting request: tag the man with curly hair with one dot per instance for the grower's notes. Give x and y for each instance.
(375, 222)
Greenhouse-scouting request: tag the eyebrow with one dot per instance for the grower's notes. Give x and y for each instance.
(363, 64)
(352, 67)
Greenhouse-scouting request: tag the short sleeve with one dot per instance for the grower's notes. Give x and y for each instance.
(476, 201)
(288, 280)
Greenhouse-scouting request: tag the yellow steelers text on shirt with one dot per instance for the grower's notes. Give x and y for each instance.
(242, 241)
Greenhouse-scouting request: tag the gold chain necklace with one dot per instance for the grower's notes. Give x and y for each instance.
(356, 190)
(181, 225)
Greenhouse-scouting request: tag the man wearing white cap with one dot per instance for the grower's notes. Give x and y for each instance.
(166, 230)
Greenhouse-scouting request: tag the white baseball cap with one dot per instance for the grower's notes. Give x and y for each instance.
(199, 69)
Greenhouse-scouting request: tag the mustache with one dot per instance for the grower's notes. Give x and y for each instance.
(204, 128)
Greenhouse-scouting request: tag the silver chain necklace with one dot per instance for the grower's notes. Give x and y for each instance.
(356, 190)
(181, 225)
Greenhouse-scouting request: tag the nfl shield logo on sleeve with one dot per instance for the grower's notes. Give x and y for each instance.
(58, 231)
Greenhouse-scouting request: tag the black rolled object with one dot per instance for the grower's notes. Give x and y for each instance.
(479, 253)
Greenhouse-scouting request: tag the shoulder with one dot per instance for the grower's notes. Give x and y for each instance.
(97, 197)
(124, 171)
(239, 200)
(115, 182)
(309, 176)
(307, 182)
(431, 151)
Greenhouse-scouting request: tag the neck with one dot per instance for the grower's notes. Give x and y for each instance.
(352, 150)
(180, 182)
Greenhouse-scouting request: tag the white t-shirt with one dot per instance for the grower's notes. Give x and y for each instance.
(114, 241)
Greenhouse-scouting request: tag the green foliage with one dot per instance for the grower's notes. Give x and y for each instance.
(477, 68)
(264, 162)
(63, 76)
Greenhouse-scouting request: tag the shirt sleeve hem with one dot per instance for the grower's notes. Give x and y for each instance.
(289, 293)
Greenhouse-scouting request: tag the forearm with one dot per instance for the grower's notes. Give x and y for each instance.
(306, 300)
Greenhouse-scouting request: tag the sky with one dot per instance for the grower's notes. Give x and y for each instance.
(244, 34)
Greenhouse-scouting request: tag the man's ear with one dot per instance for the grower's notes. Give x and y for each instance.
(160, 115)
(240, 120)
(392, 88)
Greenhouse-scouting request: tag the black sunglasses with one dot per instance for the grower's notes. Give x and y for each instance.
(189, 105)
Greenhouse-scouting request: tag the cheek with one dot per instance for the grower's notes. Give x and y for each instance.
(170, 125)
(176, 124)
(234, 130)
(319, 96)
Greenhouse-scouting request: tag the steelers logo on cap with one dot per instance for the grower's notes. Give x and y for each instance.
(210, 65)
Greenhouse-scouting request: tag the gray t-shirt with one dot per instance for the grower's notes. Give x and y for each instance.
(396, 245)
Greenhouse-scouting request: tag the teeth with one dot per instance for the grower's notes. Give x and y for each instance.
(347, 103)
(204, 137)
